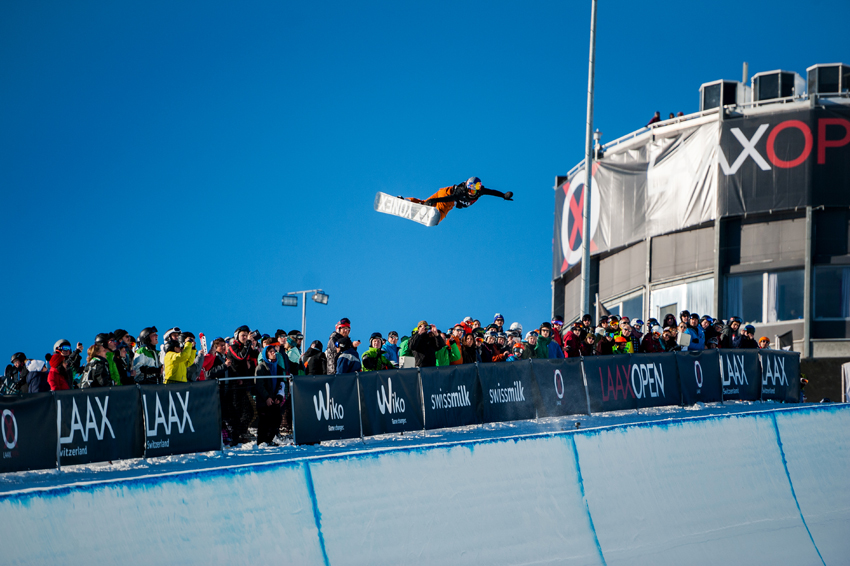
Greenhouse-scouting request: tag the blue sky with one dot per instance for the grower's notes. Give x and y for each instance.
(187, 163)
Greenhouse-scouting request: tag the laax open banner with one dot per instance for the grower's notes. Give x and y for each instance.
(180, 419)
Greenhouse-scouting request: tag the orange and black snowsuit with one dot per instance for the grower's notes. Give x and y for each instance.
(445, 199)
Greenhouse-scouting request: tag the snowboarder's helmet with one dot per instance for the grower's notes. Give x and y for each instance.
(473, 185)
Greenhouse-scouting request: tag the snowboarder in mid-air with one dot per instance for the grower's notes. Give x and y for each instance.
(461, 195)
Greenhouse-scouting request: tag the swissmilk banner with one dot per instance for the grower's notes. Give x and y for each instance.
(780, 375)
(739, 370)
(181, 418)
(507, 391)
(99, 424)
(631, 381)
(27, 432)
(452, 396)
(325, 407)
(699, 376)
(390, 401)
(560, 384)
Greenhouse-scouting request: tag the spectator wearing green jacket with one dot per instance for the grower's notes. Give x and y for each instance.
(375, 358)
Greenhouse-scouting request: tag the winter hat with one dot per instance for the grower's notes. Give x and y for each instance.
(344, 343)
(119, 334)
(343, 322)
(376, 335)
(498, 317)
(37, 365)
(529, 334)
(243, 328)
(546, 325)
(393, 333)
(621, 339)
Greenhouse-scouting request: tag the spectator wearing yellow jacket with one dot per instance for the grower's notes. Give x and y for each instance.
(177, 359)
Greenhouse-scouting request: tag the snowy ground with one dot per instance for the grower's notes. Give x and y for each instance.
(251, 454)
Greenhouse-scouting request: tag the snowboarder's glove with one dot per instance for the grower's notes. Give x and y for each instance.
(430, 202)
(508, 195)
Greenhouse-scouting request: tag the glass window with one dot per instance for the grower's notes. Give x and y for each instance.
(788, 300)
(832, 292)
(633, 308)
(744, 297)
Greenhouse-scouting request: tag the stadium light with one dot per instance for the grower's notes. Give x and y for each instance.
(291, 300)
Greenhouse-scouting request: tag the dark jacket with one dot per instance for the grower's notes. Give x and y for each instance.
(747, 342)
(314, 361)
(243, 359)
(424, 348)
(469, 354)
(729, 338)
(650, 344)
(215, 366)
(99, 375)
(267, 388)
(330, 352)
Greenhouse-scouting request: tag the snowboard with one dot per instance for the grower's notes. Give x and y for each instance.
(425, 215)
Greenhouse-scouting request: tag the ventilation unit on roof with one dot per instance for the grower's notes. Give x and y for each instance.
(777, 84)
(829, 79)
(722, 93)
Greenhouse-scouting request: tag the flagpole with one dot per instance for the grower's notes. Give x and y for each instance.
(588, 169)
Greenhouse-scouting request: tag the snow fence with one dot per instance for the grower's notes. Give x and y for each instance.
(758, 488)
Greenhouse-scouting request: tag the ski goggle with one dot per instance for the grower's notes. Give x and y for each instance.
(65, 348)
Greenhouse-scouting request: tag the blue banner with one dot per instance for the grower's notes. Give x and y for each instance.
(325, 407)
(699, 376)
(99, 424)
(560, 385)
(390, 401)
(27, 432)
(507, 391)
(608, 383)
(181, 418)
(780, 375)
(654, 379)
(452, 396)
(739, 370)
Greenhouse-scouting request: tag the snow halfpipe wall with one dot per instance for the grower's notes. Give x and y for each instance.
(758, 488)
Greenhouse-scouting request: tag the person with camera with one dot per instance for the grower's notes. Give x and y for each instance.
(424, 345)
(343, 330)
(178, 357)
(62, 365)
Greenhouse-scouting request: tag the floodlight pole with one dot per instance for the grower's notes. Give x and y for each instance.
(588, 169)
(304, 311)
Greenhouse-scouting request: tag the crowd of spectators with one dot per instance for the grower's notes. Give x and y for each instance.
(253, 368)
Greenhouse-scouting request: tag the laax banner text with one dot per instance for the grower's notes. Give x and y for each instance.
(181, 418)
(99, 424)
(631, 381)
(785, 160)
(739, 371)
(780, 375)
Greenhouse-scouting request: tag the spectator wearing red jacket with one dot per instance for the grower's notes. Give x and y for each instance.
(60, 377)
(572, 341)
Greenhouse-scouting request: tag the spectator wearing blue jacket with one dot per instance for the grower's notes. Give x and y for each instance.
(348, 360)
(390, 348)
(554, 350)
(696, 332)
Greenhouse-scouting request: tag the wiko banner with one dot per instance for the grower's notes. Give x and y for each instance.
(626, 381)
(780, 375)
(27, 432)
(739, 371)
(507, 391)
(699, 376)
(325, 407)
(561, 387)
(99, 424)
(390, 401)
(181, 418)
(452, 396)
